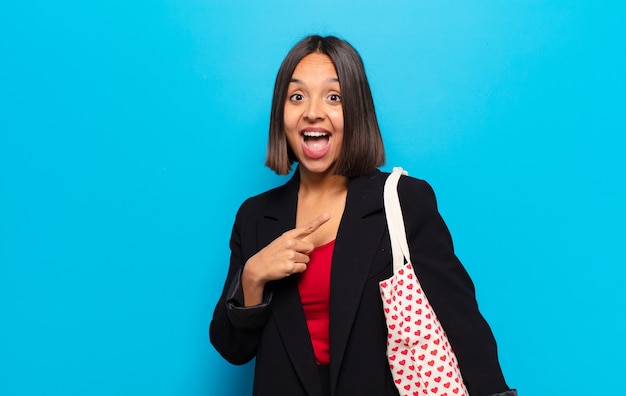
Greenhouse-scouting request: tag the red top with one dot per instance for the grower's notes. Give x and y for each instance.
(314, 287)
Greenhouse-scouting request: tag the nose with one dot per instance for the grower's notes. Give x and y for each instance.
(314, 110)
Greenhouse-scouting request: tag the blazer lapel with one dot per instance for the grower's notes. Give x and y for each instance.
(361, 229)
(287, 311)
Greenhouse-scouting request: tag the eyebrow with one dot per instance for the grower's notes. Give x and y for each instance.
(330, 80)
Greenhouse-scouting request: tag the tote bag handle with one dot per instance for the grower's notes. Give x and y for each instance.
(395, 220)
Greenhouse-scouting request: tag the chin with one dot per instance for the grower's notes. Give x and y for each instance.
(319, 168)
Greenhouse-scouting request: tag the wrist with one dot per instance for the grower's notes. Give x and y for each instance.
(252, 286)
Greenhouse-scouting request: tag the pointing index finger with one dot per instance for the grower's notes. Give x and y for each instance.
(311, 227)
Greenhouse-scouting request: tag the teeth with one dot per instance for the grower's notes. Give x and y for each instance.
(314, 134)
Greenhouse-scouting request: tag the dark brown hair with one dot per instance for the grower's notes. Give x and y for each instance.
(362, 150)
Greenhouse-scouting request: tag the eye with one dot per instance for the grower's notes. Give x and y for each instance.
(296, 97)
(334, 98)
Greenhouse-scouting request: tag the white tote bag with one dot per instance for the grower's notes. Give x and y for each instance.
(420, 357)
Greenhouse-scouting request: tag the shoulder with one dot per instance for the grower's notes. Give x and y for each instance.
(417, 197)
(274, 200)
(409, 186)
(415, 188)
(262, 199)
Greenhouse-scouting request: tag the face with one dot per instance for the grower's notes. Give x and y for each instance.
(314, 114)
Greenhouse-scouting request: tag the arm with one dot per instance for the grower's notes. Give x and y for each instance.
(450, 290)
(235, 330)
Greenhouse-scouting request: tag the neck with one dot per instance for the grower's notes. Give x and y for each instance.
(316, 183)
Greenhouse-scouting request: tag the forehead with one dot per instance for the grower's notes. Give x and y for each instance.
(315, 64)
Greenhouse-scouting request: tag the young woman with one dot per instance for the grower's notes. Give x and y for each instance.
(301, 294)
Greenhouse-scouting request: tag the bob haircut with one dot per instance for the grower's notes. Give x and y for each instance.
(362, 150)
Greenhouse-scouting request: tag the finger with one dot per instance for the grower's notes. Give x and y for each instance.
(297, 268)
(310, 227)
(301, 258)
(299, 246)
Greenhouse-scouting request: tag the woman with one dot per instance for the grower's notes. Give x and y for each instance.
(302, 293)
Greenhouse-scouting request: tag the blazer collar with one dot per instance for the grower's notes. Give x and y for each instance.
(284, 204)
(364, 196)
(287, 311)
(358, 238)
(362, 227)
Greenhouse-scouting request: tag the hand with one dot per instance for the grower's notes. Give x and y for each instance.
(284, 256)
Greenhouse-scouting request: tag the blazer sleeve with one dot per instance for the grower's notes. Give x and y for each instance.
(450, 290)
(235, 330)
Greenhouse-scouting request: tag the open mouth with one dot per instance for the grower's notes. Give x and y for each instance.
(312, 139)
(315, 143)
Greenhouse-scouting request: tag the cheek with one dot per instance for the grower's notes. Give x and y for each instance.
(290, 120)
(337, 118)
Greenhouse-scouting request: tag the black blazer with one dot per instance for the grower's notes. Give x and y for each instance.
(276, 331)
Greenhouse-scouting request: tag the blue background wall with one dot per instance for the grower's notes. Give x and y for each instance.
(118, 117)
